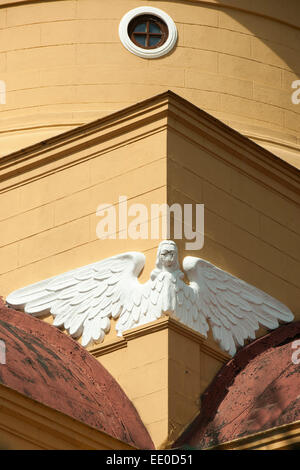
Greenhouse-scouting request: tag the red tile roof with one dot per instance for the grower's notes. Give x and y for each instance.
(50, 367)
(257, 390)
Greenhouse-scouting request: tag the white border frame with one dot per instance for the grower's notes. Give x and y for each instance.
(139, 51)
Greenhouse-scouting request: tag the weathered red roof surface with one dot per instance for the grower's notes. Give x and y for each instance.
(48, 366)
(257, 390)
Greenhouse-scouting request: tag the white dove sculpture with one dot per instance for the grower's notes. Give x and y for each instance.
(84, 300)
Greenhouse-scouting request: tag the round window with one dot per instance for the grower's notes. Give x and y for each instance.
(148, 32)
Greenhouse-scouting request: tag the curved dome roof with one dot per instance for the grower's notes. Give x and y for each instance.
(255, 391)
(48, 366)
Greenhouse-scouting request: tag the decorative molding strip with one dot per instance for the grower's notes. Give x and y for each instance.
(212, 298)
(161, 324)
(78, 145)
(104, 349)
(139, 51)
(149, 328)
(184, 330)
(249, 158)
(209, 349)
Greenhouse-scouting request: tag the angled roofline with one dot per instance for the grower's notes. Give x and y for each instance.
(164, 111)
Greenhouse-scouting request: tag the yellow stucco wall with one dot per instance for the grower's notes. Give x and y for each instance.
(64, 65)
(26, 424)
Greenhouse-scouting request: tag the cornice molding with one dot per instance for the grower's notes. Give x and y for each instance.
(155, 53)
(216, 354)
(163, 323)
(250, 158)
(112, 290)
(108, 348)
(56, 427)
(270, 439)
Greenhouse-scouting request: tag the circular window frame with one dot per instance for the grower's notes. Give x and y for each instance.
(151, 53)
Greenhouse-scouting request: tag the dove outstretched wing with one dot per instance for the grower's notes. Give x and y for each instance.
(84, 300)
(234, 308)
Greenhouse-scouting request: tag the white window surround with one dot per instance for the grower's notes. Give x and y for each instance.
(139, 51)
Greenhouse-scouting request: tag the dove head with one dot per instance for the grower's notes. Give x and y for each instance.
(167, 256)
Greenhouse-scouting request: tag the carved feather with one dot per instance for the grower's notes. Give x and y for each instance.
(84, 300)
(233, 308)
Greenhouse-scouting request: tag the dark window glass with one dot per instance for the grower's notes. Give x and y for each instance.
(141, 40)
(148, 31)
(140, 28)
(153, 41)
(154, 28)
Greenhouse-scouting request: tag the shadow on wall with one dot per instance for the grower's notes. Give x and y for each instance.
(279, 31)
